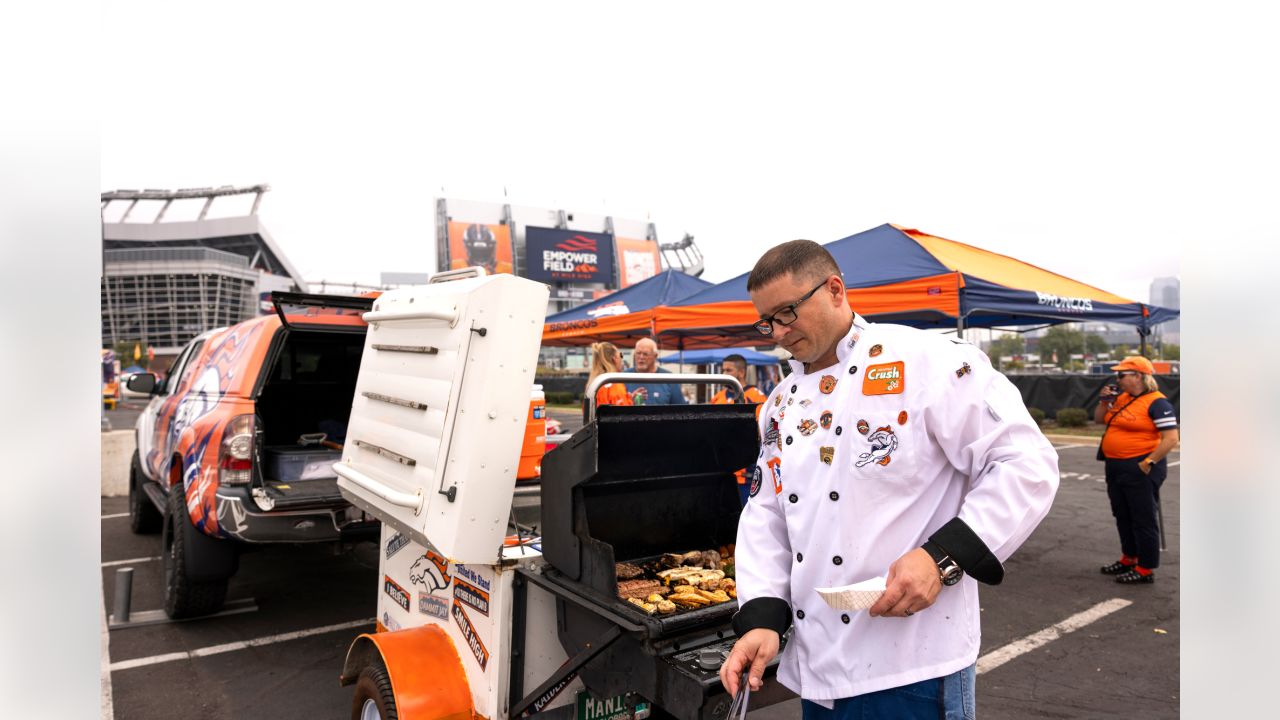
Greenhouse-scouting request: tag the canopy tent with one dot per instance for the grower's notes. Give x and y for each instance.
(896, 274)
(624, 316)
(716, 356)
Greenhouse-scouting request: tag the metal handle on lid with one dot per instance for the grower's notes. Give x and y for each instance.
(459, 274)
(450, 316)
(413, 501)
(650, 378)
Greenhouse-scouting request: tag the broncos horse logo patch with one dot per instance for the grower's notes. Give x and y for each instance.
(883, 444)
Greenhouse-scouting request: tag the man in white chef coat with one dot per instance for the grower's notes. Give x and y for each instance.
(888, 452)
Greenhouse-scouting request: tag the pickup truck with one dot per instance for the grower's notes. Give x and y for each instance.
(237, 443)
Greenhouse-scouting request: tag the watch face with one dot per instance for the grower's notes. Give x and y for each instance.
(951, 575)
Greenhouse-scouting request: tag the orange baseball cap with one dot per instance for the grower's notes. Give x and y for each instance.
(1138, 363)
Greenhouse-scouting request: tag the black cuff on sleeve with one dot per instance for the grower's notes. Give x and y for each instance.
(964, 546)
(763, 612)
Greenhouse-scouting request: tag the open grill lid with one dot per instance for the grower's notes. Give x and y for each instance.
(643, 480)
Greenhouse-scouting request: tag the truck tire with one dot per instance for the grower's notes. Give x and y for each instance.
(144, 518)
(185, 597)
(374, 699)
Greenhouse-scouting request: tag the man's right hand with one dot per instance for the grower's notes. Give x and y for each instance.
(754, 650)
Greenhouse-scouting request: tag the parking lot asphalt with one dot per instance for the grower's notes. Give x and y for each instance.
(283, 660)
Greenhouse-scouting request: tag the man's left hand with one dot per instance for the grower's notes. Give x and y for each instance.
(913, 584)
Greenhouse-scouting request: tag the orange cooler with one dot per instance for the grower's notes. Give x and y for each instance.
(535, 437)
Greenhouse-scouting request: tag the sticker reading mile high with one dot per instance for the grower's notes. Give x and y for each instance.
(887, 379)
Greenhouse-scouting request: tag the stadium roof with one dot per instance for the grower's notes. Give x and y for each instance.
(243, 235)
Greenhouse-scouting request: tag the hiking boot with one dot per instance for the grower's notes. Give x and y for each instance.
(1133, 576)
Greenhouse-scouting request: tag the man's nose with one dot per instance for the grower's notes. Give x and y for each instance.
(780, 332)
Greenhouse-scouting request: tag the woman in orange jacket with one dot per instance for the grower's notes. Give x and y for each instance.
(605, 358)
(1142, 429)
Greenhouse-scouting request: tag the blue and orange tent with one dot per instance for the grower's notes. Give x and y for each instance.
(621, 317)
(897, 274)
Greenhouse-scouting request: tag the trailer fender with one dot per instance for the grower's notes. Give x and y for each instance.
(427, 677)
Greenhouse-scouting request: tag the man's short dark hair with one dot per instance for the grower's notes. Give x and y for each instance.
(734, 358)
(805, 259)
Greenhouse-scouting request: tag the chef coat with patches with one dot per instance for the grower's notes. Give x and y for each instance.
(951, 440)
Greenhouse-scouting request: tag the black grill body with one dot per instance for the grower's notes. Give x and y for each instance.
(633, 484)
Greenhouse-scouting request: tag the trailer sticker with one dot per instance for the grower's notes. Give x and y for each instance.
(389, 622)
(471, 595)
(430, 571)
(396, 592)
(469, 634)
(472, 576)
(615, 708)
(396, 543)
(551, 694)
(429, 604)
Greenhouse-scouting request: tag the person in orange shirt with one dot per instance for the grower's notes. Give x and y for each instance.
(605, 358)
(1142, 429)
(736, 366)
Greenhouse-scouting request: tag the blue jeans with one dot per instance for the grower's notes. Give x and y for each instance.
(949, 697)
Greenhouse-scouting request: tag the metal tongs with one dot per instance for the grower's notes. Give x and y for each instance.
(738, 708)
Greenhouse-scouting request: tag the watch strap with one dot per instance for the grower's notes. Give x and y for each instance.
(963, 545)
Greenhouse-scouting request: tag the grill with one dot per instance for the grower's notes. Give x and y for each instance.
(632, 484)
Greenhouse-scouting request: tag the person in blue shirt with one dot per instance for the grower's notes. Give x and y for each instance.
(645, 360)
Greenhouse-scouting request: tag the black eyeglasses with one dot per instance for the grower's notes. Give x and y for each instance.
(786, 315)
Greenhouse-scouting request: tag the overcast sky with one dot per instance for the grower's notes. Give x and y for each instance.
(1069, 137)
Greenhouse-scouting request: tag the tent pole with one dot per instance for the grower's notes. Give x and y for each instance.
(1142, 343)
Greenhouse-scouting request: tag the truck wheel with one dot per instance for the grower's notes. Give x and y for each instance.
(374, 699)
(184, 597)
(144, 518)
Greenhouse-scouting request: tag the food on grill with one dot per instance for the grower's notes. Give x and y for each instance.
(678, 581)
(627, 571)
(672, 560)
(689, 576)
(648, 608)
(690, 600)
(629, 589)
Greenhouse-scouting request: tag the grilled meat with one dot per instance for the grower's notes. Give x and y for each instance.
(626, 571)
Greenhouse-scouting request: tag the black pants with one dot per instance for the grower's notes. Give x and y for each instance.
(1134, 497)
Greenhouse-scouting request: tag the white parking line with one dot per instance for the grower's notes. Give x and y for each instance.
(1000, 656)
(231, 647)
(130, 561)
(1068, 447)
(115, 515)
(1175, 463)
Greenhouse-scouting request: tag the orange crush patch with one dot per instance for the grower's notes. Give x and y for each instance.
(775, 469)
(887, 379)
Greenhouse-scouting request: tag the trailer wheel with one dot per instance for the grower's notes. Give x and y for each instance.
(184, 597)
(374, 699)
(144, 518)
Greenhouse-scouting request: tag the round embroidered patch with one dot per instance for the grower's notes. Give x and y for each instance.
(756, 480)
(864, 427)
(875, 350)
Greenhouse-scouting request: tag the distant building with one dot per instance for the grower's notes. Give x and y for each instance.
(1167, 292)
(166, 281)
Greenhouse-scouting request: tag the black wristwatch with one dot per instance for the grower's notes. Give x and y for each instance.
(949, 571)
